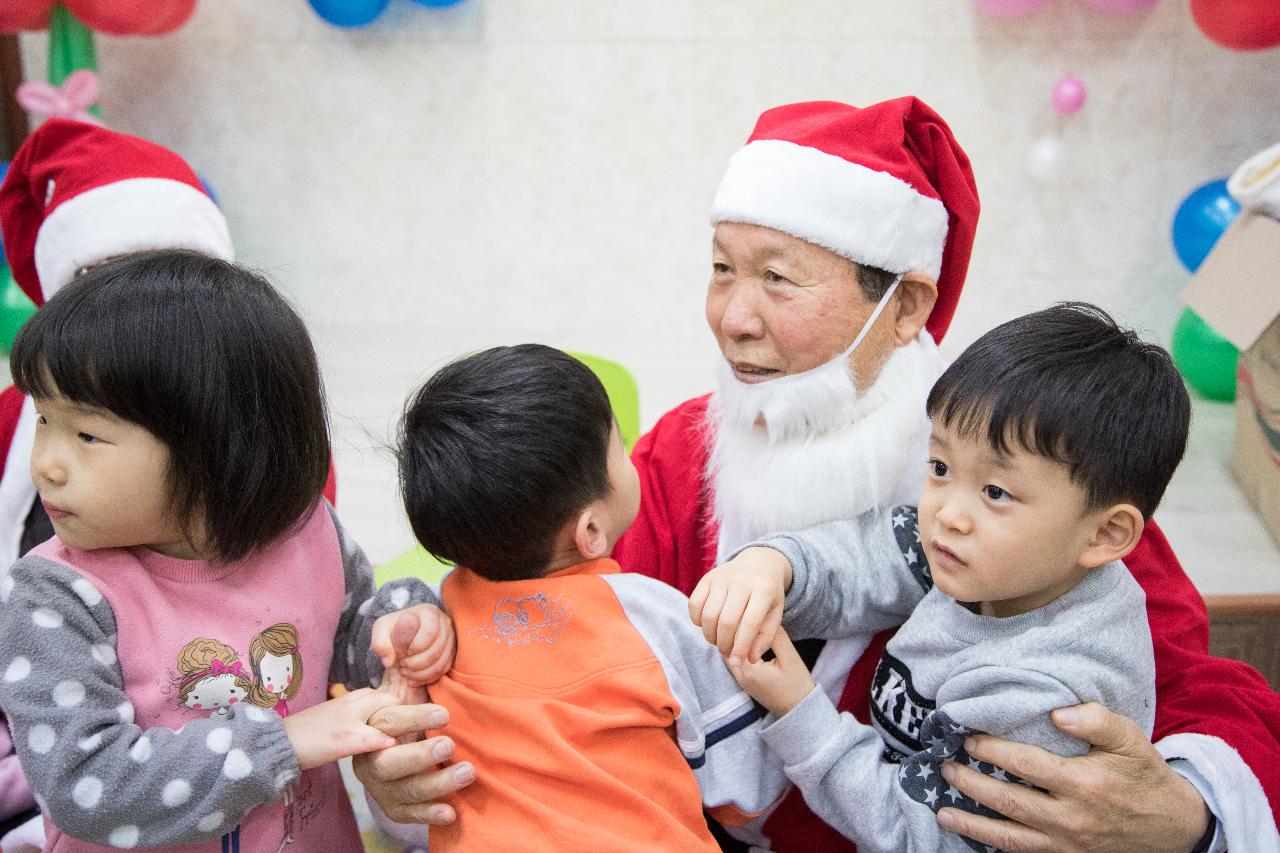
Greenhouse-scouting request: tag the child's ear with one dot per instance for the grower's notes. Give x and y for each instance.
(1118, 531)
(589, 535)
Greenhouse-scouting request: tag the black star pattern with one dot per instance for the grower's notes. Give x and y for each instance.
(920, 774)
(906, 530)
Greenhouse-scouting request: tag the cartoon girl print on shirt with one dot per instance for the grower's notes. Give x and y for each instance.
(277, 667)
(213, 678)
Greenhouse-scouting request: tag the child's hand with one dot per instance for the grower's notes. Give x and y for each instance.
(337, 728)
(423, 656)
(406, 691)
(779, 684)
(739, 605)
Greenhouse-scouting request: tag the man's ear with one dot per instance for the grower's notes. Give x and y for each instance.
(1117, 534)
(915, 297)
(589, 535)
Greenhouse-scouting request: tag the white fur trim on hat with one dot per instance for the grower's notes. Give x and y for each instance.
(864, 215)
(127, 216)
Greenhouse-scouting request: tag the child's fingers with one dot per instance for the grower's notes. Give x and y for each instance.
(365, 739)
(404, 629)
(711, 612)
(380, 641)
(750, 625)
(436, 656)
(764, 637)
(429, 618)
(698, 600)
(735, 604)
(785, 652)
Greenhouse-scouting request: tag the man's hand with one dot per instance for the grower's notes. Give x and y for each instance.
(423, 656)
(739, 605)
(406, 780)
(1122, 796)
(779, 684)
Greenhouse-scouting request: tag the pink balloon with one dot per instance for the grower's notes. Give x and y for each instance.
(1121, 7)
(1068, 95)
(1007, 8)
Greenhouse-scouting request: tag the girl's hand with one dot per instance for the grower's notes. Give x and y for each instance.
(779, 684)
(337, 728)
(423, 656)
(739, 605)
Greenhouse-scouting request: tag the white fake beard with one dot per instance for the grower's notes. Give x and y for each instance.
(825, 451)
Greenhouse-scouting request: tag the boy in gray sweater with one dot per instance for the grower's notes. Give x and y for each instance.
(1053, 439)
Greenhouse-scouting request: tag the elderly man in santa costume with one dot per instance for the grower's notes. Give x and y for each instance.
(842, 238)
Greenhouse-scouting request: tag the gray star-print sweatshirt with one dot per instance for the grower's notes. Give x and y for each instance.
(946, 674)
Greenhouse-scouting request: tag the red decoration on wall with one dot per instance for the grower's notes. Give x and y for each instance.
(1239, 24)
(113, 17)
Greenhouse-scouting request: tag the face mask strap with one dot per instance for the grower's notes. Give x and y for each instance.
(871, 321)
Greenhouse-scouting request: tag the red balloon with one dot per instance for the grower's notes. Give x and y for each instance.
(132, 17)
(1239, 24)
(24, 15)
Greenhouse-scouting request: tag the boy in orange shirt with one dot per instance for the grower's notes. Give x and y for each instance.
(597, 715)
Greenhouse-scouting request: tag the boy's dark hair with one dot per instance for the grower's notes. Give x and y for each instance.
(1069, 384)
(497, 451)
(212, 361)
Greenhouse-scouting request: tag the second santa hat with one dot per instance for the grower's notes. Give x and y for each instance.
(885, 185)
(77, 194)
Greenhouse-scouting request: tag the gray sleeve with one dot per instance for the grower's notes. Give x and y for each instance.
(101, 777)
(849, 780)
(354, 663)
(853, 576)
(718, 725)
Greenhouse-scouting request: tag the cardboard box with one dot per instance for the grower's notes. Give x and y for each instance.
(1237, 291)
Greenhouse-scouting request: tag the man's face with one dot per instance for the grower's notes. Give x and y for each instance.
(779, 305)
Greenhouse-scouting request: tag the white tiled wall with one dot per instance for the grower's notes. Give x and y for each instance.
(509, 170)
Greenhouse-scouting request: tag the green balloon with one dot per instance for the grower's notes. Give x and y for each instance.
(15, 309)
(1207, 360)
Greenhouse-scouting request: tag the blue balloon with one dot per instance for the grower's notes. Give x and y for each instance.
(1200, 221)
(348, 13)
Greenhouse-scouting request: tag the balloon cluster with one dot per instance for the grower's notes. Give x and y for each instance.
(357, 13)
(113, 17)
(1207, 360)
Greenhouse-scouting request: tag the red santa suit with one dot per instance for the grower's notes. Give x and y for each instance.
(1216, 720)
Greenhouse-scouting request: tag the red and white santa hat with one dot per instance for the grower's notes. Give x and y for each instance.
(77, 194)
(885, 185)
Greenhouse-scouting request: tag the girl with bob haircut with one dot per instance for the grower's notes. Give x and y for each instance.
(180, 452)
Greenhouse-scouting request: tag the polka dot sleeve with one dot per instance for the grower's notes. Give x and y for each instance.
(354, 663)
(95, 772)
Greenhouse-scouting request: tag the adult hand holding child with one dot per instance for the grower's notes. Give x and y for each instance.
(416, 646)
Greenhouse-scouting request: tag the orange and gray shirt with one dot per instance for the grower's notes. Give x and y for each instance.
(597, 716)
